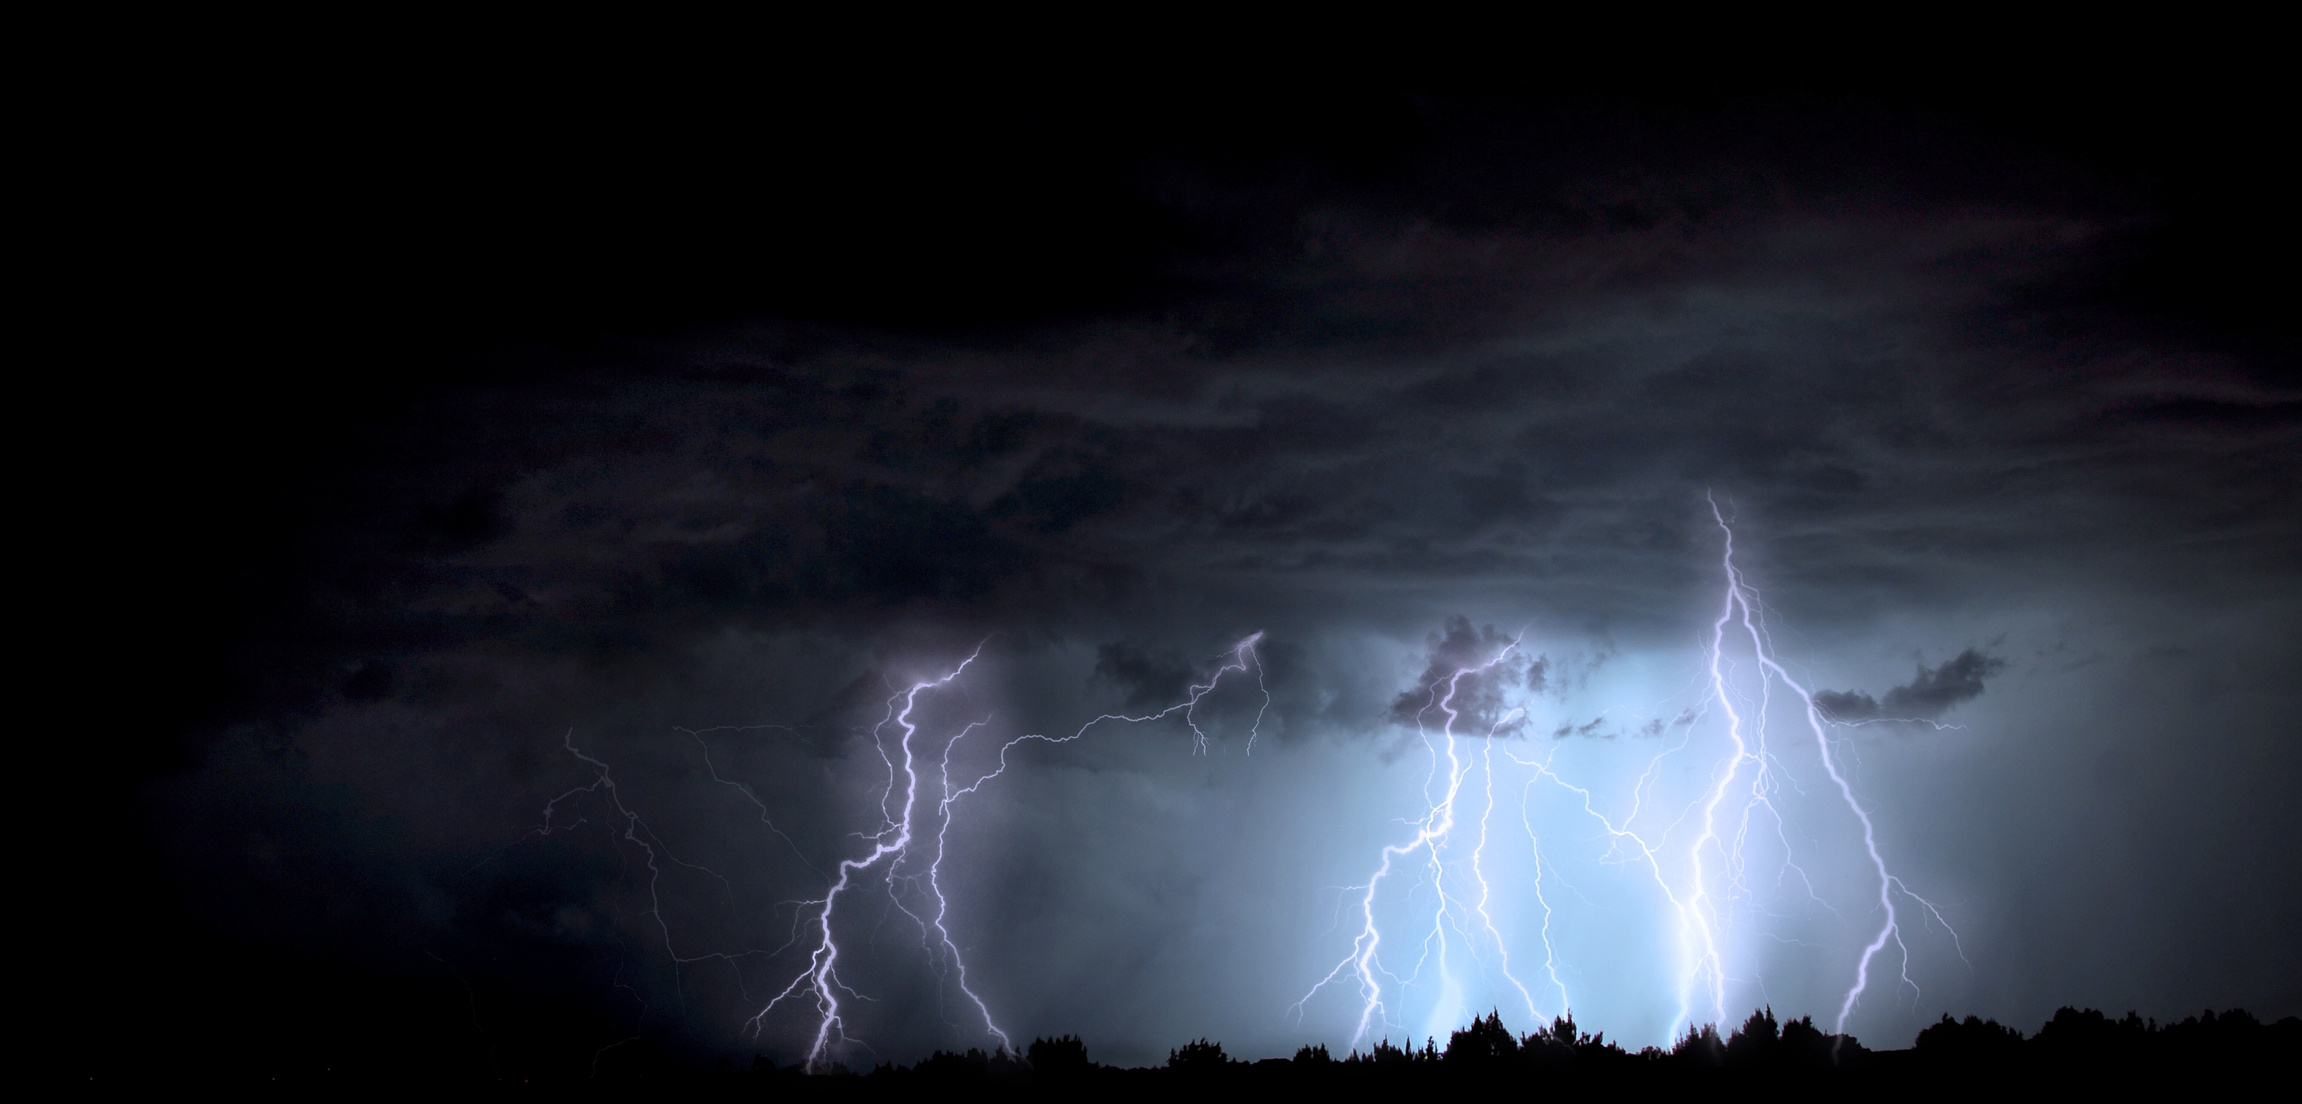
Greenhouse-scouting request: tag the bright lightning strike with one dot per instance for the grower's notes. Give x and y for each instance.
(1707, 855)
(1742, 605)
(1701, 858)
(819, 982)
(1432, 833)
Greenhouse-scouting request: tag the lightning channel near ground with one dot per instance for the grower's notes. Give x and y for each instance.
(1433, 830)
(893, 844)
(903, 856)
(1700, 836)
(1709, 857)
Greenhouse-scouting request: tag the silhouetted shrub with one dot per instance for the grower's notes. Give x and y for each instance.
(1199, 1056)
(974, 1065)
(1485, 1044)
(1757, 1042)
(1383, 1054)
(2078, 1050)
(1064, 1054)
(2233, 1035)
(1700, 1048)
(2088, 1037)
(944, 1064)
(1804, 1044)
(1556, 1045)
(1971, 1042)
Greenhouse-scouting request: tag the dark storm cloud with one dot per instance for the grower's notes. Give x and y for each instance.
(1603, 728)
(1928, 695)
(1149, 680)
(1518, 417)
(1786, 364)
(1061, 490)
(1955, 680)
(1466, 674)
(1500, 379)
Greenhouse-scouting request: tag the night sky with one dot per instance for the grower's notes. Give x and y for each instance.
(468, 433)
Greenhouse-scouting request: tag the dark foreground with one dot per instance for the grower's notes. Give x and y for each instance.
(2076, 1053)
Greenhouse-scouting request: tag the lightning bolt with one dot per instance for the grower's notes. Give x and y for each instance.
(636, 832)
(1479, 872)
(1699, 859)
(1543, 901)
(1432, 832)
(1740, 599)
(819, 982)
(1618, 834)
(892, 845)
(1697, 851)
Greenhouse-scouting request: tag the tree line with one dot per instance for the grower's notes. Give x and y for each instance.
(2074, 1046)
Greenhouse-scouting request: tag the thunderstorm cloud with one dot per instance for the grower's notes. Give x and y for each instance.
(686, 451)
(1467, 675)
(1926, 696)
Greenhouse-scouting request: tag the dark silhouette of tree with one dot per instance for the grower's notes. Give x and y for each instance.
(1700, 1047)
(1383, 1054)
(974, 1065)
(1969, 1042)
(2079, 1051)
(1059, 1056)
(1485, 1045)
(2087, 1037)
(1804, 1044)
(1757, 1042)
(1198, 1056)
(2206, 1038)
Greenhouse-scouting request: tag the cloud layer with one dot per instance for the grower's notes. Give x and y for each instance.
(1391, 424)
(1925, 697)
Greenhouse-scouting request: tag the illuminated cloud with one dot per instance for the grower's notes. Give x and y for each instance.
(1928, 695)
